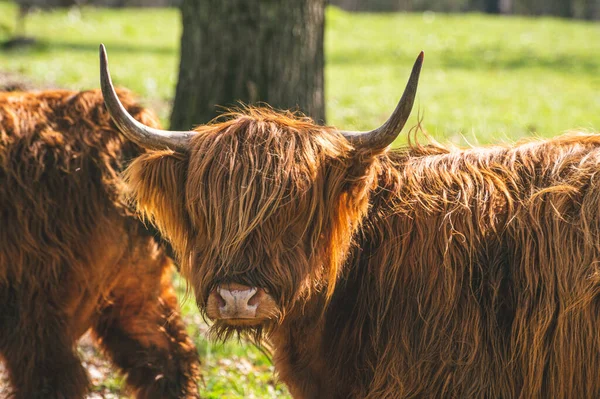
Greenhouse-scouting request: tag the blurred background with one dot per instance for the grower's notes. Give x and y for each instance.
(495, 71)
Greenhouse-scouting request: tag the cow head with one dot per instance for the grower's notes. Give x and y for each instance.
(261, 207)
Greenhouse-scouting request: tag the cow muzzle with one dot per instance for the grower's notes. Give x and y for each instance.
(240, 305)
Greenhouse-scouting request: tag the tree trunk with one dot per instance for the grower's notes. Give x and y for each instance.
(249, 51)
(592, 9)
(487, 6)
(559, 8)
(505, 6)
(563, 8)
(491, 6)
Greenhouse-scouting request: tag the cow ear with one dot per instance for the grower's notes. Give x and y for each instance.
(156, 183)
(361, 167)
(350, 179)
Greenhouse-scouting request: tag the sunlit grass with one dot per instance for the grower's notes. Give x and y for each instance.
(230, 370)
(142, 46)
(486, 79)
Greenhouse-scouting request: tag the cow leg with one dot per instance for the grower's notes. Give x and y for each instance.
(38, 352)
(143, 333)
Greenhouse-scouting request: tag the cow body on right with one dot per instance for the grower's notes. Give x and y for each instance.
(475, 274)
(417, 272)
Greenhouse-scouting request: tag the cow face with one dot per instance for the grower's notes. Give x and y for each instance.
(268, 198)
(261, 208)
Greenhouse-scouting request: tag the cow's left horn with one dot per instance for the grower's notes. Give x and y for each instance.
(147, 137)
(380, 138)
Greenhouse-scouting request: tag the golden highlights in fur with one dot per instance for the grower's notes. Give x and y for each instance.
(421, 272)
(267, 206)
(74, 257)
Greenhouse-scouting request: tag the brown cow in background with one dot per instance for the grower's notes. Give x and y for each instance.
(418, 272)
(72, 256)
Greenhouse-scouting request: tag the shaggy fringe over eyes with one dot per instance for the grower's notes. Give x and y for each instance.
(268, 189)
(264, 196)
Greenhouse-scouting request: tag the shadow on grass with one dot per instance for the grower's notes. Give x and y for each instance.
(478, 58)
(498, 58)
(40, 45)
(18, 42)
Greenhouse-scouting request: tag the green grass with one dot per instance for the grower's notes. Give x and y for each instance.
(485, 79)
(230, 370)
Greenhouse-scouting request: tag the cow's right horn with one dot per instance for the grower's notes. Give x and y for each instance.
(147, 137)
(380, 138)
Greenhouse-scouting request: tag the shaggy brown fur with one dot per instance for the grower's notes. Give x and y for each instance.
(420, 272)
(73, 257)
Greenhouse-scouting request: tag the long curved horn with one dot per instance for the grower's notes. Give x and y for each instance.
(384, 135)
(144, 136)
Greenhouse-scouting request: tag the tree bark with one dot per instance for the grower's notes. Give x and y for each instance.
(563, 8)
(250, 51)
(592, 9)
(559, 8)
(505, 6)
(491, 6)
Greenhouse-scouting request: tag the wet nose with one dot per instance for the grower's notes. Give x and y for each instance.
(237, 302)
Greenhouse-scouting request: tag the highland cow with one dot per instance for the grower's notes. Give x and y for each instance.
(416, 272)
(73, 256)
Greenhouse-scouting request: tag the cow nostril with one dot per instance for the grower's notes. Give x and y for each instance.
(220, 301)
(255, 299)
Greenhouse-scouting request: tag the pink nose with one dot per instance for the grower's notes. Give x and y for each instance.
(234, 301)
(237, 304)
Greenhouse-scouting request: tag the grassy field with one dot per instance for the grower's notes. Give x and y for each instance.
(486, 79)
